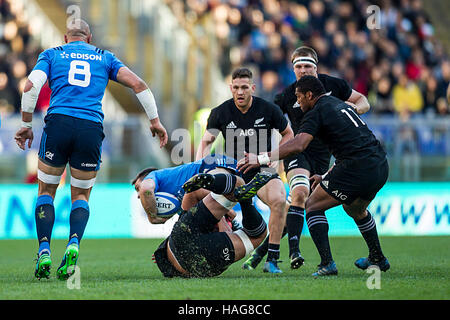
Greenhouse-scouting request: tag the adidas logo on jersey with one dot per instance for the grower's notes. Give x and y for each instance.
(231, 125)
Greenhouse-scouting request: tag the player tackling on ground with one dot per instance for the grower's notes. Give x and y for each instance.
(360, 171)
(78, 74)
(195, 248)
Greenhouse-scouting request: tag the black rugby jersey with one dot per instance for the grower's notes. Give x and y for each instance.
(340, 128)
(250, 131)
(287, 101)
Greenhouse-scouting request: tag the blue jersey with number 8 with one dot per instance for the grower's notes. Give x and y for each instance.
(78, 74)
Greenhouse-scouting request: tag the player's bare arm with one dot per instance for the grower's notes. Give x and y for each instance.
(29, 98)
(146, 194)
(359, 102)
(205, 145)
(296, 145)
(192, 198)
(129, 79)
(286, 135)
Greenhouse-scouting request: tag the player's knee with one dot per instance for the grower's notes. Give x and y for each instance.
(83, 184)
(309, 205)
(355, 213)
(277, 202)
(48, 183)
(299, 196)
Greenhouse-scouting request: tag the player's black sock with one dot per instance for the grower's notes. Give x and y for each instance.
(318, 228)
(44, 215)
(368, 229)
(79, 217)
(223, 183)
(294, 223)
(263, 247)
(273, 254)
(253, 223)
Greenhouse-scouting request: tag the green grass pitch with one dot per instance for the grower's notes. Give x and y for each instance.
(122, 269)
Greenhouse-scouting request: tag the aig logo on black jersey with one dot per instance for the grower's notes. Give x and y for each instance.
(247, 132)
(226, 254)
(339, 195)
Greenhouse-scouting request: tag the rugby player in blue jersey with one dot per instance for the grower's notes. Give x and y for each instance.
(170, 180)
(78, 74)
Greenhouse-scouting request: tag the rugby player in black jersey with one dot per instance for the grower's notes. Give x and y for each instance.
(195, 248)
(314, 160)
(360, 171)
(246, 123)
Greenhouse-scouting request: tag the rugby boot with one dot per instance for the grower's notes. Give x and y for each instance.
(252, 262)
(68, 263)
(327, 270)
(364, 263)
(199, 181)
(249, 190)
(43, 266)
(296, 260)
(272, 267)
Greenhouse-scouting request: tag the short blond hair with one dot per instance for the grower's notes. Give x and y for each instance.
(304, 51)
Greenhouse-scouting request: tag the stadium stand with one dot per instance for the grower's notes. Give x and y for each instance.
(264, 33)
(402, 67)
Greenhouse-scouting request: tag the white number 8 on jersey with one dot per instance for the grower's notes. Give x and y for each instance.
(81, 68)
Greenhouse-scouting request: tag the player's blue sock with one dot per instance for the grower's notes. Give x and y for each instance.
(318, 228)
(45, 218)
(294, 223)
(79, 217)
(368, 229)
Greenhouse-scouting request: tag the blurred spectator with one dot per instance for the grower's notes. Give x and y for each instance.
(18, 54)
(407, 97)
(259, 32)
(380, 97)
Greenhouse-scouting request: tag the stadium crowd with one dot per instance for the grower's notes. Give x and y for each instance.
(18, 55)
(400, 65)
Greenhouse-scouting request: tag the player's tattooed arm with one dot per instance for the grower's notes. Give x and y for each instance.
(148, 201)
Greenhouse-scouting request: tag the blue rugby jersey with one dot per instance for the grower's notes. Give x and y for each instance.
(78, 74)
(171, 180)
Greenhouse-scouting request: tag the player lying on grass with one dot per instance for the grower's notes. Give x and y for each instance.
(194, 247)
(150, 182)
(360, 171)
